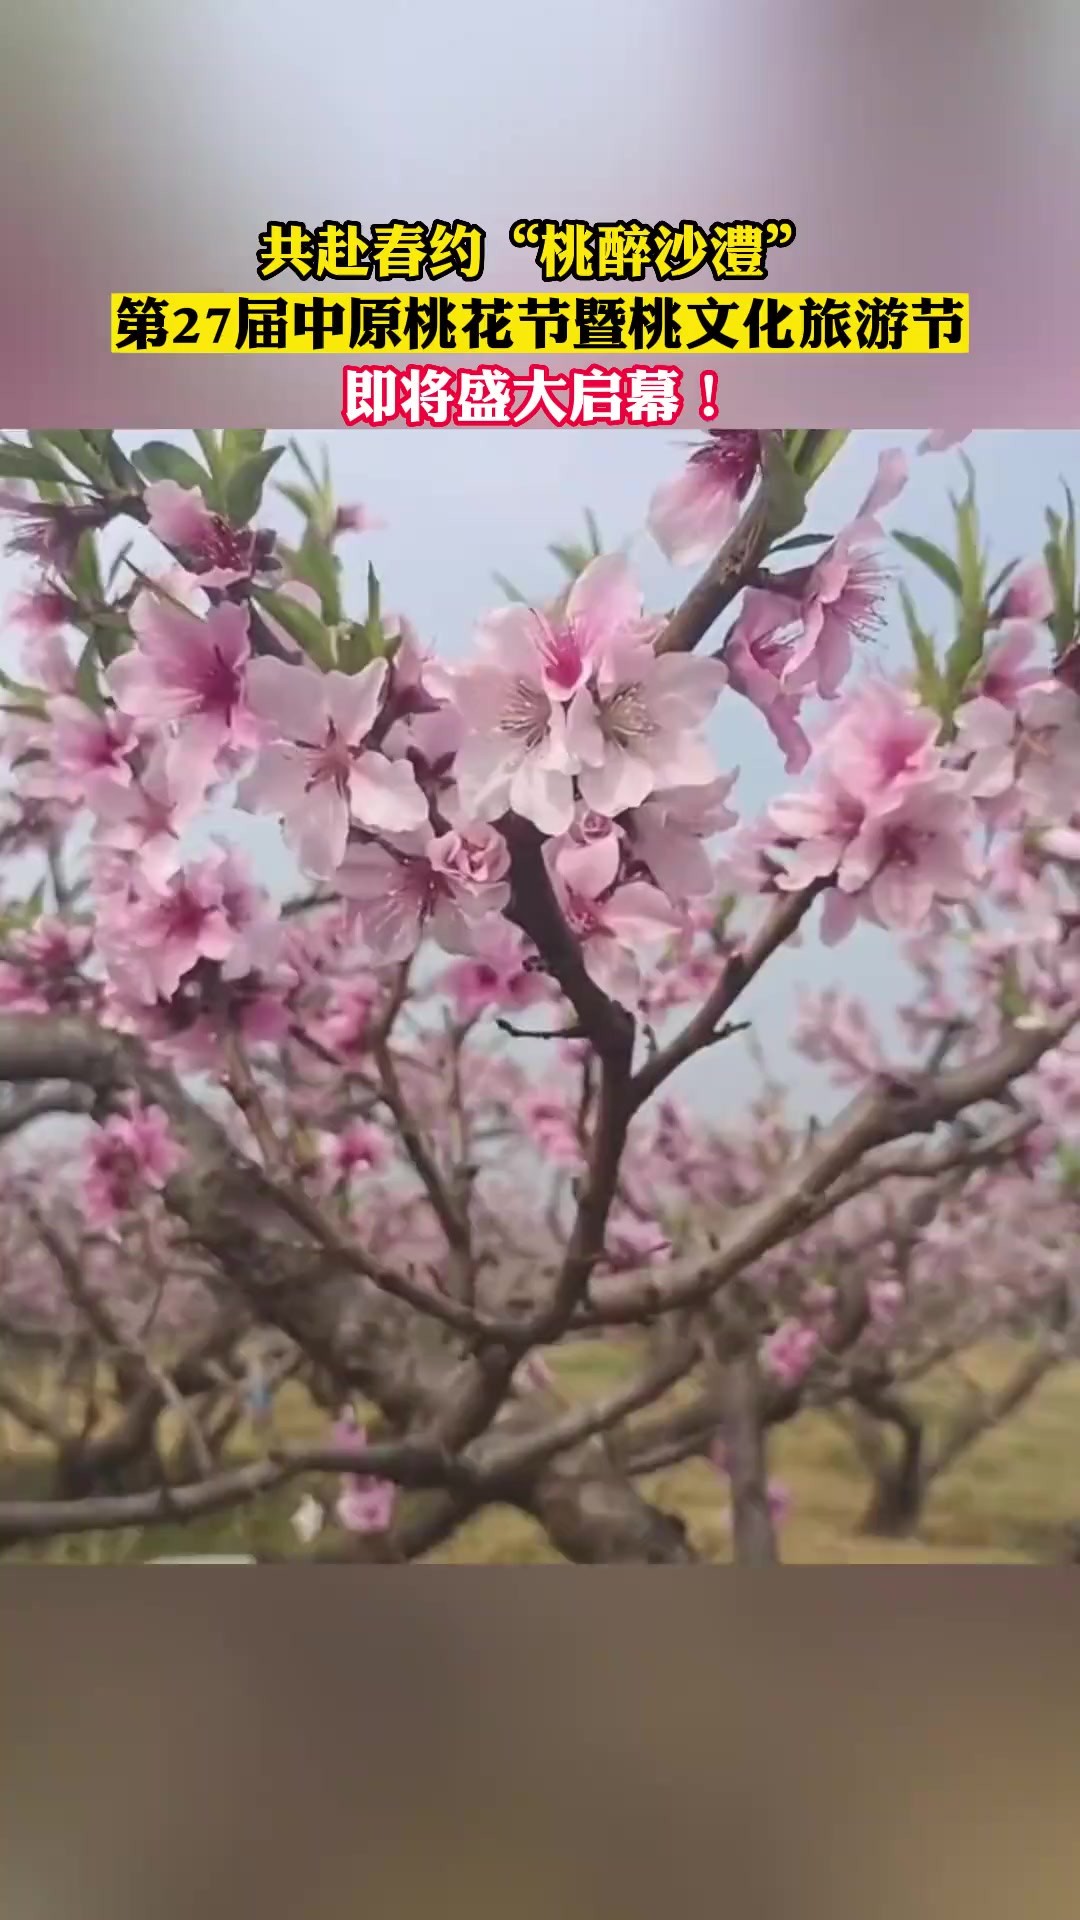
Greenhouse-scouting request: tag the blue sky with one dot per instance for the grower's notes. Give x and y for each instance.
(461, 504)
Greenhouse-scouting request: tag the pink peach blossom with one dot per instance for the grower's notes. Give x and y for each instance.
(691, 516)
(911, 855)
(638, 726)
(880, 739)
(517, 753)
(147, 820)
(358, 1146)
(839, 598)
(357, 519)
(789, 1351)
(217, 553)
(756, 654)
(942, 438)
(495, 974)
(128, 1154)
(669, 834)
(449, 883)
(319, 770)
(88, 751)
(189, 674)
(1029, 594)
(1003, 675)
(48, 663)
(611, 923)
(365, 1504)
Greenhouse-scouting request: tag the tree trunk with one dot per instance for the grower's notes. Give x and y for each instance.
(896, 1503)
(594, 1515)
(370, 1344)
(746, 1459)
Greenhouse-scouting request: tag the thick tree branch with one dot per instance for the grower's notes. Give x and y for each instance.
(534, 908)
(500, 1463)
(38, 1106)
(407, 1464)
(802, 1193)
(723, 580)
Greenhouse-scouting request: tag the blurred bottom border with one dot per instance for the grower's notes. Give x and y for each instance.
(541, 1741)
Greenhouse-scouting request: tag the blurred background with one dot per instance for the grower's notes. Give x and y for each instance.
(916, 147)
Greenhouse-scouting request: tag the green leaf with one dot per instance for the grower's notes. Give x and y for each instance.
(79, 451)
(112, 637)
(1012, 1000)
(52, 492)
(374, 601)
(1068, 1158)
(306, 469)
(120, 467)
(966, 652)
(324, 574)
(118, 562)
(214, 485)
(785, 492)
(592, 528)
(29, 697)
(1060, 556)
(244, 487)
(302, 501)
(209, 447)
(32, 908)
(301, 625)
(932, 689)
(87, 684)
(354, 652)
(238, 442)
(29, 463)
(941, 565)
(319, 505)
(85, 574)
(818, 452)
(969, 554)
(373, 626)
(801, 540)
(572, 558)
(1068, 562)
(314, 564)
(160, 460)
(724, 911)
(999, 580)
(508, 588)
(361, 644)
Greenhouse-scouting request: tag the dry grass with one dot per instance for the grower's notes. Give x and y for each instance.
(1009, 1500)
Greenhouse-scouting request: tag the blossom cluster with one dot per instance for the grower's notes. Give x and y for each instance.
(406, 784)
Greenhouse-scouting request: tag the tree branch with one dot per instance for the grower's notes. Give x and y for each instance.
(736, 974)
(723, 580)
(19, 1113)
(881, 1114)
(407, 1464)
